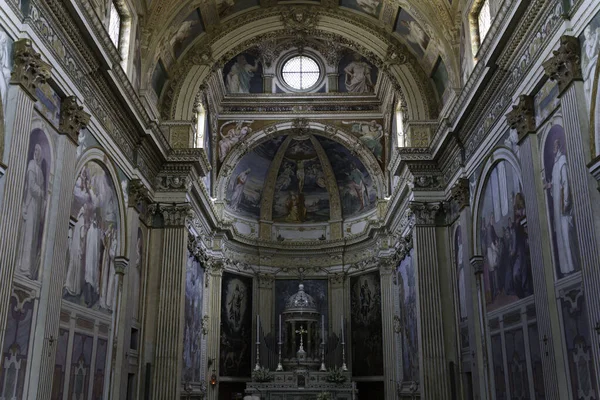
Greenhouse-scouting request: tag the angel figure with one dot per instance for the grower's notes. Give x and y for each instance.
(232, 137)
(370, 135)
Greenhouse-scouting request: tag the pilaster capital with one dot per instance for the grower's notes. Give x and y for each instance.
(265, 281)
(121, 264)
(72, 118)
(387, 266)
(477, 265)
(425, 213)
(522, 116)
(137, 193)
(460, 194)
(174, 215)
(337, 279)
(29, 71)
(565, 66)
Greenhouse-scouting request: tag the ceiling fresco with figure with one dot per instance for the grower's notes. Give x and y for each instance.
(314, 178)
(182, 34)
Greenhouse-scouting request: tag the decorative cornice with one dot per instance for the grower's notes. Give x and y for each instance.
(460, 194)
(121, 264)
(72, 118)
(477, 265)
(565, 66)
(29, 71)
(425, 213)
(522, 116)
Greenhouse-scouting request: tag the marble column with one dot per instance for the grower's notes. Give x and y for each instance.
(522, 119)
(390, 352)
(28, 72)
(565, 69)
(215, 276)
(166, 377)
(72, 120)
(433, 374)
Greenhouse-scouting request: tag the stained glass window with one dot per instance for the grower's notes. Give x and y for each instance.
(301, 72)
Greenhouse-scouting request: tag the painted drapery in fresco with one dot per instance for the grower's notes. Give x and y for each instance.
(408, 318)
(236, 326)
(192, 335)
(366, 322)
(504, 238)
(90, 278)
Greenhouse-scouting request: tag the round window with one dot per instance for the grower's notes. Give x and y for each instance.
(301, 72)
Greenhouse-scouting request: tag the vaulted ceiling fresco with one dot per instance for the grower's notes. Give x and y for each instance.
(300, 179)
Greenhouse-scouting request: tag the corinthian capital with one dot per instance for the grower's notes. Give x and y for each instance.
(522, 116)
(460, 194)
(137, 193)
(172, 215)
(29, 70)
(565, 66)
(424, 213)
(72, 118)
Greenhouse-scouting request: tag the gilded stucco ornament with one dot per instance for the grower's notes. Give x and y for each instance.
(29, 71)
(565, 66)
(72, 118)
(522, 116)
(299, 21)
(137, 193)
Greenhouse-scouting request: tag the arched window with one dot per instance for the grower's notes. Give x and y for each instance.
(200, 127)
(119, 28)
(481, 21)
(400, 134)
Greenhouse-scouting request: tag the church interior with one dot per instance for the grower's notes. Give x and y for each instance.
(299, 199)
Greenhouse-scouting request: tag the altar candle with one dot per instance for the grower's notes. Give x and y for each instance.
(279, 328)
(323, 328)
(257, 328)
(342, 320)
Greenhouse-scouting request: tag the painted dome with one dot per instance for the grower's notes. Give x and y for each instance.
(295, 179)
(300, 302)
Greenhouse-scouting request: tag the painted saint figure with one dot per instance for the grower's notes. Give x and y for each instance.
(238, 190)
(235, 306)
(562, 210)
(358, 76)
(238, 78)
(357, 185)
(92, 262)
(33, 215)
(231, 138)
(4, 68)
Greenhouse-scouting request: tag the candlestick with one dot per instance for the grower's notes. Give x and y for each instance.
(342, 320)
(279, 327)
(323, 328)
(257, 329)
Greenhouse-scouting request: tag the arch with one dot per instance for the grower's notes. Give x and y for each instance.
(499, 154)
(99, 156)
(197, 65)
(331, 132)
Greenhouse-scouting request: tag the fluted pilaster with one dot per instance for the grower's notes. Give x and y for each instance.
(390, 353)
(434, 380)
(215, 274)
(555, 382)
(28, 72)
(166, 379)
(565, 68)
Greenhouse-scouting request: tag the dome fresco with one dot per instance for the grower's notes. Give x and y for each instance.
(305, 170)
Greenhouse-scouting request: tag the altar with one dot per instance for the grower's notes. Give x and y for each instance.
(301, 384)
(304, 363)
